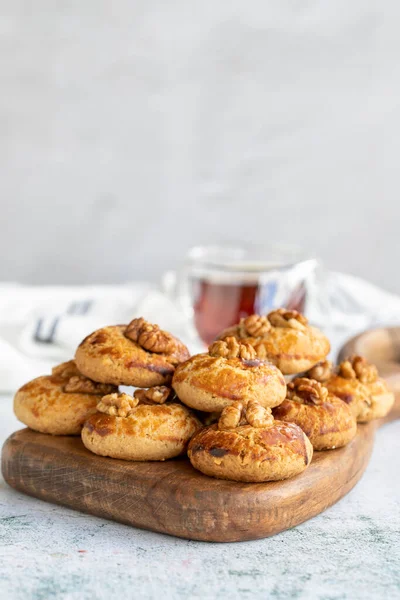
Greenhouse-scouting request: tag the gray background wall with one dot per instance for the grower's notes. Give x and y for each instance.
(130, 130)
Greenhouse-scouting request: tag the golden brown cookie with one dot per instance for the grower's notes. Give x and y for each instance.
(59, 403)
(139, 354)
(139, 428)
(229, 371)
(283, 337)
(327, 421)
(248, 445)
(357, 383)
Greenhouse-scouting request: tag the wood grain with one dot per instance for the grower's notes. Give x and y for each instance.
(172, 497)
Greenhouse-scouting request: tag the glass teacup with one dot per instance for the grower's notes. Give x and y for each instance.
(218, 285)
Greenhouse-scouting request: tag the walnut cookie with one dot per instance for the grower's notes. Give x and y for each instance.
(357, 383)
(152, 425)
(229, 371)
(283, 337)
(59, 403)
(139, 354)
(248, 445)
(326, 420)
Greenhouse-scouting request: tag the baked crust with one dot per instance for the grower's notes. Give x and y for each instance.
(148, 432)
(66, 370)
(251, 454)
(209, 383)
(321, 372)
(367, 401)
(108, 355)
(289, 343)
(45, 406)
(356, 382)
(326, 420)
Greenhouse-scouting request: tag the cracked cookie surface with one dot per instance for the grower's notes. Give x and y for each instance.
(58, 404)
(324, 418)
(139, 354)
(230, 371)
(139, 429)
(357, 383)
(284, 337)
(248, 445)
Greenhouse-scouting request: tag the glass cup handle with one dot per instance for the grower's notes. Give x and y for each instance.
(175, 285)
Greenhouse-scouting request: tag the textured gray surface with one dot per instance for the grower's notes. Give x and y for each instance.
(352, 551)
(130, 130)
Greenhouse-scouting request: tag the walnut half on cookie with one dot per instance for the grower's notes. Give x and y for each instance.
(325, 419)
(137, 428)
(158, 394)
(357, 383)
(59, 403)
(230, 371)
(139, 354)
(283, 337)
(247, 444)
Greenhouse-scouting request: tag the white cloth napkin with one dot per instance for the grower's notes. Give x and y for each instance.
(42, 326)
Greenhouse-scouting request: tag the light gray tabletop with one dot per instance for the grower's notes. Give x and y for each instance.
(350, 551)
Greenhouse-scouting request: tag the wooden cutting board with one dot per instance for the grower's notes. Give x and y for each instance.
(174, 498)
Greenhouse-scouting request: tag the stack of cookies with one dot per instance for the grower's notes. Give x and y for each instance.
(231, 408)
